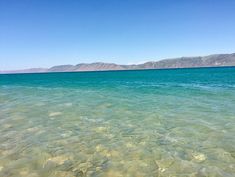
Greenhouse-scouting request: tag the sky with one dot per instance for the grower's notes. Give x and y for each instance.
(44, 33)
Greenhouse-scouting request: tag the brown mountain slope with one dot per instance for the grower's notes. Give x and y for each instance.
(183, 62)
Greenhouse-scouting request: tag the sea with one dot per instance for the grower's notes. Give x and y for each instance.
(140, 123)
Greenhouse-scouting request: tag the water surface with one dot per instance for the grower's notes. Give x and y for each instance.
(178, 122)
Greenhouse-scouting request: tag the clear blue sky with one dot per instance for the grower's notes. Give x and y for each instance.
(43, 33)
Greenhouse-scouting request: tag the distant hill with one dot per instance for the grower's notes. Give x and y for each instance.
(217, 60)
(86, 67)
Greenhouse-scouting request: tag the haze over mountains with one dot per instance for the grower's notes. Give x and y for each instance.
(217, 60)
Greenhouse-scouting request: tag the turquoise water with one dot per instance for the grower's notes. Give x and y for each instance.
(178, 122)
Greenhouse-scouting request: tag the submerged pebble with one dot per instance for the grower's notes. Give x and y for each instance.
(82, 168)
(33, 129)
(200, 157)
(99, 147)
(161, 169)
(58, 159)
(52, 114)
(101, 129)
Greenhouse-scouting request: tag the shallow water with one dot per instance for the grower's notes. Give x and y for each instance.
(178, 122)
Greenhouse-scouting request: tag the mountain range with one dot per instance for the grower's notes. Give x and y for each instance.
(216, 60)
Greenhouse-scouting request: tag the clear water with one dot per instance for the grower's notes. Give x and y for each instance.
(178, 122)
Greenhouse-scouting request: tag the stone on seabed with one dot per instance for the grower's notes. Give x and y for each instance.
(199, 156)
(58, 159)
(101, 129)
(52, 114)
